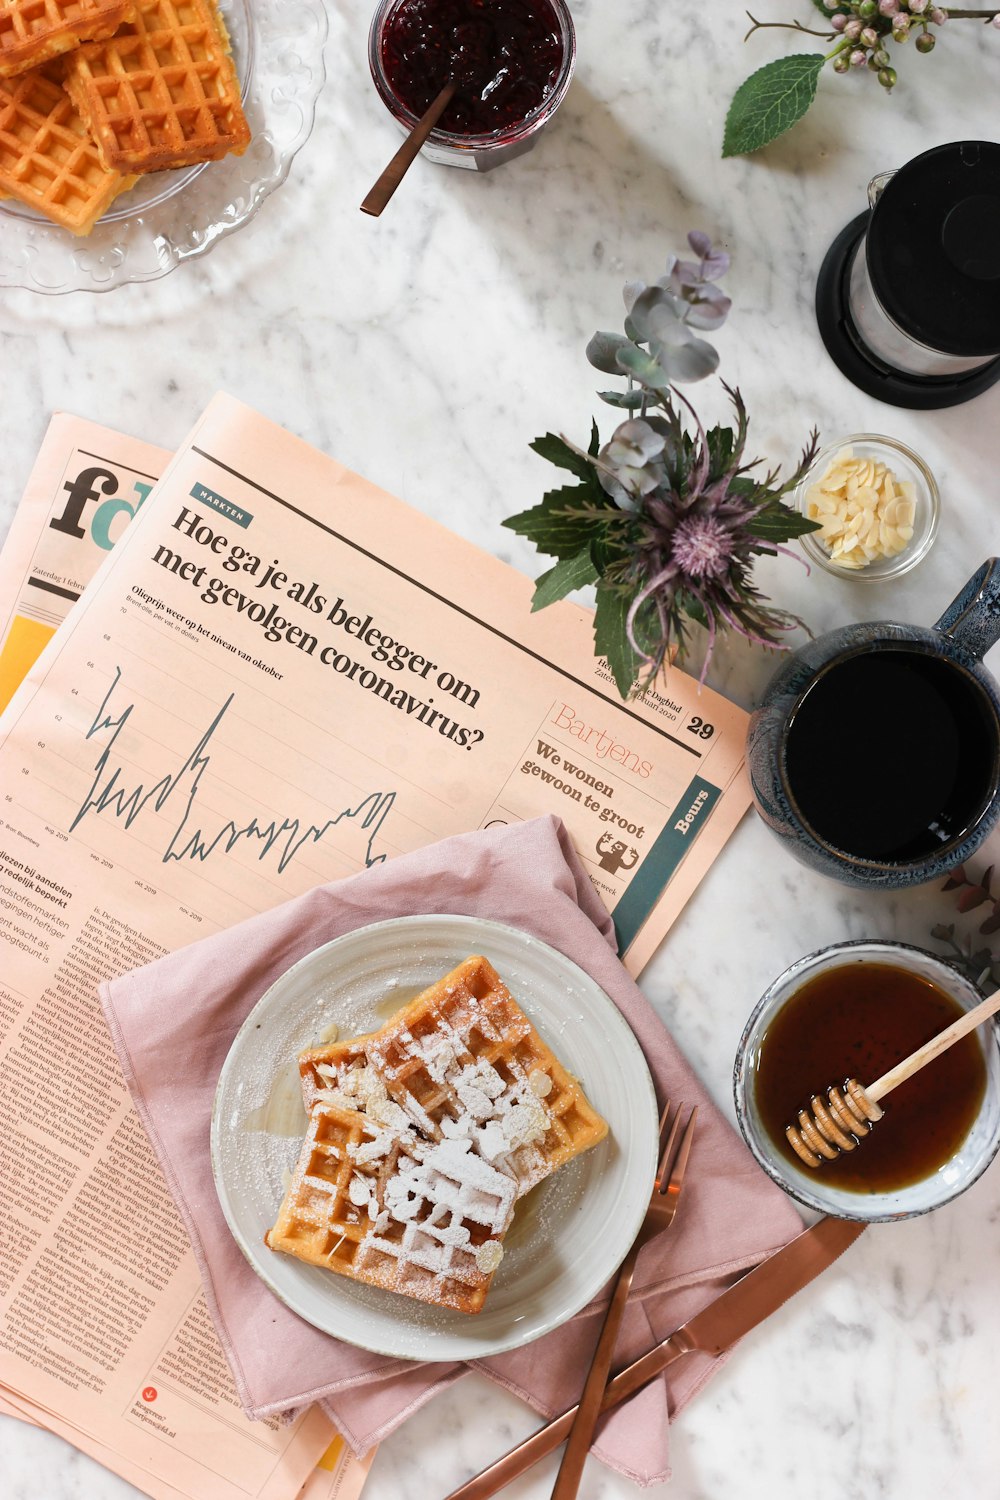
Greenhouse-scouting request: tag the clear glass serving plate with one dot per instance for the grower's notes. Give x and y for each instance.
(170, 217)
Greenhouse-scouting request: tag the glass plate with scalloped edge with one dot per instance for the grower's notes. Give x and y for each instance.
(568, 1235)
(171, 217)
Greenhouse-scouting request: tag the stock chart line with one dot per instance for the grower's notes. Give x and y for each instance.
(177, 789)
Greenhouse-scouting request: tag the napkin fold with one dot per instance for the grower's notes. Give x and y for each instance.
(173, 1023)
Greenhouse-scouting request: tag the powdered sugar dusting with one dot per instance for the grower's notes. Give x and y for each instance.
(448, 1088)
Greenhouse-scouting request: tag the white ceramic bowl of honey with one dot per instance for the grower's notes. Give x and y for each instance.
(910, 478)
(856, 1009)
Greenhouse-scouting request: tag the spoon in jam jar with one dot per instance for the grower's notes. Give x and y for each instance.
(466, 55)
(392, 175)
(842, 1119)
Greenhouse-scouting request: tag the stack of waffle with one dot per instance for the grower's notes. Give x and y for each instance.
(94, 93)
(423, 1136)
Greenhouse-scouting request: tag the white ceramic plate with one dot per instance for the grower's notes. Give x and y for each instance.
(567, 1236)
(170, 217)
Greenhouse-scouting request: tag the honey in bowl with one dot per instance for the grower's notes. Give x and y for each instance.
(859, 1021)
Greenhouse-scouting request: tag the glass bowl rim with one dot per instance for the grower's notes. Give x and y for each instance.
(919, 545)
(782, 985)
(134, 244)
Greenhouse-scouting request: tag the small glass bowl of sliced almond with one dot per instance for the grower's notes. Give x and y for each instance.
(877, 505)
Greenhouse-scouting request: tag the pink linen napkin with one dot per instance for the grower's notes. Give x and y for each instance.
(174, 1020)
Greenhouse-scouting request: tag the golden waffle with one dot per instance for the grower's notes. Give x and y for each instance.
(34, 31)
(463, 1052)
(413, 1217)
(163, 92)
(422, 1136)
(47, 158)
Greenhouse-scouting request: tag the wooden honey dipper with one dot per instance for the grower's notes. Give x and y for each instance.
(842, 1120)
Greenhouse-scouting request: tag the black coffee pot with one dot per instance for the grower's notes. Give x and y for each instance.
(908, 297)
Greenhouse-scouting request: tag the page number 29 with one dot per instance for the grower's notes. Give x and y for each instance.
(700, 728)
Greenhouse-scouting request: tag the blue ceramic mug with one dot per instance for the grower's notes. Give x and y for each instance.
(875, 754)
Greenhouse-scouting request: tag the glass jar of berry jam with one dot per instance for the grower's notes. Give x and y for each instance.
(510, 60)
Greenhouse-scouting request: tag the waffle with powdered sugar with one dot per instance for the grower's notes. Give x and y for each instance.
(424, 1219)
(464, 1058)
(423, 1135)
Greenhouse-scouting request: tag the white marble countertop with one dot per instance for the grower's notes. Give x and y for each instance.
(426, 349)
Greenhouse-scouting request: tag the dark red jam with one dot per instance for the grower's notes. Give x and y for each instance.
(504, 56)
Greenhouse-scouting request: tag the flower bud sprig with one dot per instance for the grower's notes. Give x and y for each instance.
(863, 33)
(864, 29)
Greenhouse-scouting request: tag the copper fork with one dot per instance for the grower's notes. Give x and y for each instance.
(659, 1216)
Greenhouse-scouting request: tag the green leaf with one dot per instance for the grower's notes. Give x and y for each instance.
(744, 485)
(720, 442)
(563, 522)
(572, 573)
(559, 452)
(611, 546)
(827, 10)
(694, 609)
(779, 523)
(678, 457)
(770, 101)
(643, 367)
(629, 400)
(611, 639)
(602, 351)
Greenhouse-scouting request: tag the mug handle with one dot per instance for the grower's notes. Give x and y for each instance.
(973, 618)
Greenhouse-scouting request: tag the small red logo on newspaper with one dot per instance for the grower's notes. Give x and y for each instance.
(149, 1393)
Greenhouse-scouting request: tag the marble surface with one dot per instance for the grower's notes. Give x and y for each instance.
(426, 349)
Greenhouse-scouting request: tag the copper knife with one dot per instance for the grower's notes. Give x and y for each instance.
(716, 1328)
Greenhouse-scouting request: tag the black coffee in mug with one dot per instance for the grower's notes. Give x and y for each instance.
(874, 754)
(891, 754)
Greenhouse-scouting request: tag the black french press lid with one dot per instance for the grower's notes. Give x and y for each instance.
(933, 248)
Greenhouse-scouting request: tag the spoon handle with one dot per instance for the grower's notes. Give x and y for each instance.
(933, 1048)
(384, 187)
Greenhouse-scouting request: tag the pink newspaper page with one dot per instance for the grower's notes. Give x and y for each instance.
(87, 484)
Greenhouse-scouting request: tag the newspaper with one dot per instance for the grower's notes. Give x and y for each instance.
(279, 675)
(337, 1476)
(86, 486)
(48, 560)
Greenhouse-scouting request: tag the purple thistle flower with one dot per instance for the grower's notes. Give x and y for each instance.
(703, 547)
(693, 550)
